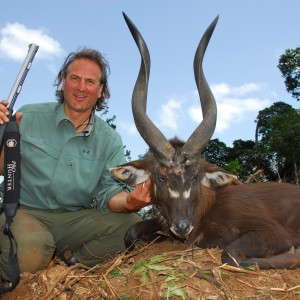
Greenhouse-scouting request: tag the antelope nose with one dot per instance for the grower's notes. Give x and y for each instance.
(183, 226)
(182, 229)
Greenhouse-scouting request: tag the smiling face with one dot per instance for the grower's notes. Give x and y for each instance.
(81, 87)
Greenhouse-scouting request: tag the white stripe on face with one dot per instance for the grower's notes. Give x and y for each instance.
(155, 189)
(174, 194)
(186, 194)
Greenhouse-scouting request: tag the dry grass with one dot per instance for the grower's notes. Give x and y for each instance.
(158, 271)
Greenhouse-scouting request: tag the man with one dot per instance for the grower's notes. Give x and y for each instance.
(66, 151)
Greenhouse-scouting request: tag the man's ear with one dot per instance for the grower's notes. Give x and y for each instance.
(131, 173)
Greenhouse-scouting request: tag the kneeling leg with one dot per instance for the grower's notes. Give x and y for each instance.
(35, 244)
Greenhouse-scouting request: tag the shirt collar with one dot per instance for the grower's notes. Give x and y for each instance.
(60, 116)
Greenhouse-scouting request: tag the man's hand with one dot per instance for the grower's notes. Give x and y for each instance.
(134, 201)
(139, 197)
(4, 113)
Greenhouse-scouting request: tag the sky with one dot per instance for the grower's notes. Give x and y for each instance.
(240, 63)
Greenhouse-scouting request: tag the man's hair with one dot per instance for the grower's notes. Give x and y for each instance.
(95, 56)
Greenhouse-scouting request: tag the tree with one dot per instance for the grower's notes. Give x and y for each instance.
(289, 65)
(278, 130)
(243, 153)
(216, 152)
(239, 160)
(262, 129)
(284, 138)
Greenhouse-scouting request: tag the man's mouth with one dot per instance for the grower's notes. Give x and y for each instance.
(79, 97)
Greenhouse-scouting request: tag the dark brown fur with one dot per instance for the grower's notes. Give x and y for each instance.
(253, 223)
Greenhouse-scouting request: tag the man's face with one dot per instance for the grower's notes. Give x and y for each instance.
(82, 86)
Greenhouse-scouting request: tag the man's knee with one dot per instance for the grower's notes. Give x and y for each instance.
(120, 223)
(108, 242)
(35, 244)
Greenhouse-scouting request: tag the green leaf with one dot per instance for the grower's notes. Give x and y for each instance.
(116, 273)
(157, 258)
(145, 278)
(176, 291)
(139, 267)
(171, 278)
(159, 267)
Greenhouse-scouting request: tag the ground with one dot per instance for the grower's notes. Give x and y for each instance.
(158, 271)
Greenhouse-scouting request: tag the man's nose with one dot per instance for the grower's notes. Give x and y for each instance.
(81, 85)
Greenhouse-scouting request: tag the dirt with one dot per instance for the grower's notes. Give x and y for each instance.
(158, 271)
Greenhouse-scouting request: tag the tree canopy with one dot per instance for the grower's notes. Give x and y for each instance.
(289, 65)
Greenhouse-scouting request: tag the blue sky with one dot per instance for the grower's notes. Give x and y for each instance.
(240, 63)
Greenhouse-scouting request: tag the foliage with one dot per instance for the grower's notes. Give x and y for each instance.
(289, 65)
(110, 122)
(278, 128)
(233, 166)
(276, 149)
(284, 139)
(241, 159)
(145, 268)
(262, 129)
(244, 152)
(216, 152)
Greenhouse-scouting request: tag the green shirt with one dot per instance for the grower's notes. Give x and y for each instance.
(64, 169)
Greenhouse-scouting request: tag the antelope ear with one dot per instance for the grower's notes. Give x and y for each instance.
(218, 179)
(129, 174)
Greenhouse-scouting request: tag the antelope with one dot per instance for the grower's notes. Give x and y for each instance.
(200, 203)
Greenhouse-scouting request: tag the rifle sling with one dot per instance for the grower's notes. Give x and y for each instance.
(11, 196)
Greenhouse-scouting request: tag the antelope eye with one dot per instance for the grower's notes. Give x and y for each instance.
(195, 178)
(161, 178)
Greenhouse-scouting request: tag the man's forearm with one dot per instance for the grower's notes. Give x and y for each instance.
(118, 203)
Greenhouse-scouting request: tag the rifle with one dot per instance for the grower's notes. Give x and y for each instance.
(16, 89)
(10, 137)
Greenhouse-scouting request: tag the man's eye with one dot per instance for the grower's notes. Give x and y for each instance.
(90, 82)
(74, 78)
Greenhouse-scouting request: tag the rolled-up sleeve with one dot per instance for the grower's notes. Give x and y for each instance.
(109, 185)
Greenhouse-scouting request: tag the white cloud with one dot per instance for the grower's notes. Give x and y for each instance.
(234, 105)
(15, 38)
(168, 117)
(222, 90)
(129, 128)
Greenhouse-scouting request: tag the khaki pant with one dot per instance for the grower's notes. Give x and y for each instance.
(41, 234)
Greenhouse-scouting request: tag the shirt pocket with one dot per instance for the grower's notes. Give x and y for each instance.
(39, 158)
